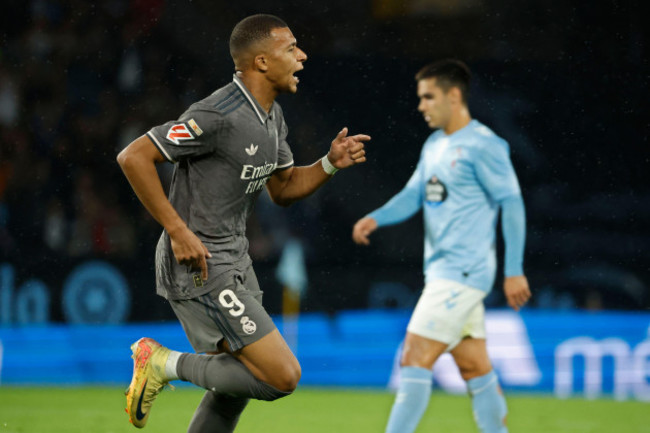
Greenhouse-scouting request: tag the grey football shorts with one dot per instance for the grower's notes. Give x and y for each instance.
(232, 311)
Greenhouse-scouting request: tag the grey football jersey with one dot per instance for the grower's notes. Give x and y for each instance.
(225, 147)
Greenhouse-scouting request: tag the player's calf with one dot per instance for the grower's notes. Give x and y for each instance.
(488, 403)
(224, 374)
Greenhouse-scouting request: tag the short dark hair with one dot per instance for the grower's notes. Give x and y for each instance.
(448, 73)
(252, 29)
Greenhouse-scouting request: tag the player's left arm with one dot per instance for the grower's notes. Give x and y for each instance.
(295, 183)
(513, 227)
(496, 173)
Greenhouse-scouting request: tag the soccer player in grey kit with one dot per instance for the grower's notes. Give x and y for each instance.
(226, 149)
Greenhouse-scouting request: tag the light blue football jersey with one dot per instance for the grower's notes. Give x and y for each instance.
(460, 180)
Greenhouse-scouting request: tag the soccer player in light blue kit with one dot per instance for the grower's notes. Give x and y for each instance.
(464, 176)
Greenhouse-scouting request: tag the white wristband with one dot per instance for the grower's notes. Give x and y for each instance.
(327, 166)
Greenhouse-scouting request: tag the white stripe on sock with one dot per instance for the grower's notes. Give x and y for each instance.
(416, 380)
(484, 387)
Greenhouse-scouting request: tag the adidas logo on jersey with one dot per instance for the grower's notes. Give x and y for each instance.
(252, 150)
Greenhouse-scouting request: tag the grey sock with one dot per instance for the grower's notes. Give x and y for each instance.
(224, 374)
(217, 413)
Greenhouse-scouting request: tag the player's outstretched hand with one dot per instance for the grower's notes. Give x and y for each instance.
(189, 250)
(347, 151)
(362, 230)
(517, 291)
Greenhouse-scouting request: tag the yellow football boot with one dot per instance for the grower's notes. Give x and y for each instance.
(149, 359)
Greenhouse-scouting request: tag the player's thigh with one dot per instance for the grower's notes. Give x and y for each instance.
(271, 360)
(443, 311)
(472, 358)
(231, 314)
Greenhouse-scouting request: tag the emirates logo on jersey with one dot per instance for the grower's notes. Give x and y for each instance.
(178, 133)
(257, 176)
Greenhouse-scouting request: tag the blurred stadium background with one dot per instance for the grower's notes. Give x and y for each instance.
(566, 84)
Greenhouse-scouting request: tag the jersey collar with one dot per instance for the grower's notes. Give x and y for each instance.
(261, 113)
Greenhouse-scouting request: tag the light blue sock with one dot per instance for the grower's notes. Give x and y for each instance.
(412, 399)
(489, 405)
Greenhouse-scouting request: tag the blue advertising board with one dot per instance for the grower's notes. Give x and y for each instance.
(590, 354)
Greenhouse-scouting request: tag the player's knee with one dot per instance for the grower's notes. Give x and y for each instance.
(291, 378)
(471, 368)
(287, 378)
(415, 356)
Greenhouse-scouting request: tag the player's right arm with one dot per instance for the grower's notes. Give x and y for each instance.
(138, 162)
(362, 229)
(399, 208)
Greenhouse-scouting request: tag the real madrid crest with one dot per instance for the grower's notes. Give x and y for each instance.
(248, 326)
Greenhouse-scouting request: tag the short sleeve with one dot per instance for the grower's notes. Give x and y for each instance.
(285, 156)
(193, 134)
(495, 171)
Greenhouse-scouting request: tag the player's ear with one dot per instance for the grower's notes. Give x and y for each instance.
(455, 95)
(261, 62)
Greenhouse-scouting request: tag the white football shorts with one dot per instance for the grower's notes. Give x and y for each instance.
(449, 311)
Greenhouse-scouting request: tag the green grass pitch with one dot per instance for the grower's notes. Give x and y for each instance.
(308, 410)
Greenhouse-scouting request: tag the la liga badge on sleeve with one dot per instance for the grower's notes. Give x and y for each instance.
(178, 133)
